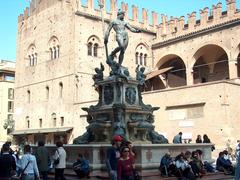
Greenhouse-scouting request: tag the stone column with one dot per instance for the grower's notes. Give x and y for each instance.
(232, 66)
(189, 76)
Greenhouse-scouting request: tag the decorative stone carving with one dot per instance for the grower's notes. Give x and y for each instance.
(108, 94)
(130, 95)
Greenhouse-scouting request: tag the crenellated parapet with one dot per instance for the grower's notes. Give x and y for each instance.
(89, 9)
(176, 27)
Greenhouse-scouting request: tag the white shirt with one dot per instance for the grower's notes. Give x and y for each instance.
(32, 166)
(62, 158)
(182, 164)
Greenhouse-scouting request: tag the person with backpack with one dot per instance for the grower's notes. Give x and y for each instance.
(7, 163)
(59, 161)
(81, 167)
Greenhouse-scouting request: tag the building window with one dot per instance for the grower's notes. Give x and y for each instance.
(54, 48)
(32, 55)
(10, 106)
(95, 50)
(28, 96)
(60, 89)
(47, 92)
(92, 46)
(27, 122)
(141, 55)
(54, 119)
(62, 121)
(10, 93)
(145, 59)
(89, 49)
(40, 123)
(136, 57)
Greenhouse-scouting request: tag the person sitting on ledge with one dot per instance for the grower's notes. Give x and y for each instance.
(184, 169)
(224, 165)
(81, 167)
(178, 138)
(167, 165)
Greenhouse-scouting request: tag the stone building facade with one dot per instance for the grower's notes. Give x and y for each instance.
(7, 76)
(193, 68)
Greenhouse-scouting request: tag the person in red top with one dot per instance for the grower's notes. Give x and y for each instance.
(125, 167)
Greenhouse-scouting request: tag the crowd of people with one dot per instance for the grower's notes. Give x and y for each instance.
(120, 162)
(31, 165)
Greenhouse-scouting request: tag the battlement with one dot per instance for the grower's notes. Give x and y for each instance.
(166, 30)
(89, 8)
(176, 27)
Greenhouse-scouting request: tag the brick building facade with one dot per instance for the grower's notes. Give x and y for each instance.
(194, 65)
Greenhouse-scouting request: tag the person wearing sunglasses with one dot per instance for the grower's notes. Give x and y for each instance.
(125, 168)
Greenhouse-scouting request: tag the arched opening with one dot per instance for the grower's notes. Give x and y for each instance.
(89, 49)
(141, 55)
(211, 64)
(95, 50)
(172, 74)
(60, 89)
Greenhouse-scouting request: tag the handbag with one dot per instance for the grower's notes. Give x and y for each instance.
(20, 176)
(56, 161)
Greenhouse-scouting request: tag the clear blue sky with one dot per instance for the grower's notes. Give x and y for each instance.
(10, 9)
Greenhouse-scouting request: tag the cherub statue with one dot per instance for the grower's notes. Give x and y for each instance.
(140, 76)
(99, 73)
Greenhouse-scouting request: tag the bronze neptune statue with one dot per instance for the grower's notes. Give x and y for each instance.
(119, 26)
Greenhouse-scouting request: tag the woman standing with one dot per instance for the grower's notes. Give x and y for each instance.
(29, 165)
(199, 139)
(60, 161)
(125, 168)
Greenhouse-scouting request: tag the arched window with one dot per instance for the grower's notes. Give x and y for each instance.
(54, 48)
(145, 59)
(136, 57)
(40, 123)
(89, 49)
(27, 122)
(54, 120)
(93, 46)
(95, 50)
(141, 59)
(32, 55)
(28, 96)
(60, 89)
(47, 92)
(141, 55)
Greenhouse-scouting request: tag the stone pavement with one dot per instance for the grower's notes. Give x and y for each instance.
(70, 175)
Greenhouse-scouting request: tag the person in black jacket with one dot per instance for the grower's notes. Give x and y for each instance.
(7, 163)
(199, 139)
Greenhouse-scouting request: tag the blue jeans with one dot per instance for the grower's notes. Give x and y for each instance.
(29, 177)
(44, 175)
(113, 175)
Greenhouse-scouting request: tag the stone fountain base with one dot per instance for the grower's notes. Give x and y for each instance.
(148, 156)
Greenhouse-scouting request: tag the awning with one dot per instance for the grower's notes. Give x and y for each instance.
(41, 131)
(157, 72)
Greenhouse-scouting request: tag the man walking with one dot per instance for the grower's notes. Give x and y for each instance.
(113, 154)
(43, 159)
